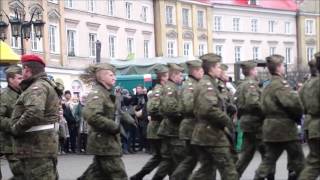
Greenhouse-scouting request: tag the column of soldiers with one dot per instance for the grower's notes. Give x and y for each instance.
(191, 122)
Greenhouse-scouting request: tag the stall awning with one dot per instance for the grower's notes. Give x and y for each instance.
(7, 55)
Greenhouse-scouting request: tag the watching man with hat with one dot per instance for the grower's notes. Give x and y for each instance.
(33, 122)
(310, 96)
(283, 111)
(209, 137)
(9, 96)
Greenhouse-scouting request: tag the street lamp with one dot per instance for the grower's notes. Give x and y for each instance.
(22, 28)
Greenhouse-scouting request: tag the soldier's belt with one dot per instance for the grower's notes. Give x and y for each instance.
(41, 128)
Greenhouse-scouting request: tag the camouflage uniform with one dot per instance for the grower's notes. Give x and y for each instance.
(33, 120)
(247, 98)
(104, 136)
(187, 125)
(171, 146)
(153, 106)
(310, 96)
(282, 109)
(209, 136)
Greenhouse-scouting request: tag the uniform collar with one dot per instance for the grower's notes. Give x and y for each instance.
(27, 82)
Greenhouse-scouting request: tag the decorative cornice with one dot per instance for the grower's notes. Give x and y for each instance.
(238, 40)
(54, 14)
(94, 25)
(172, 34)
(288, 42)
(72, 21)
(203, 37)
(311, 41)
(219, 40)
(110, 27)
(16, 4)
(187, 35)
(256, 41)
(130, 30)
(146, 32)
(272, 42)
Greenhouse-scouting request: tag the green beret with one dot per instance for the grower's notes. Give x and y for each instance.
(175, 67)
(275, 59)
(161, 69)
(248, 64)
(105, 66)
(14, 69)
(312, 63)
(194, 63)
(224, 67)
(211, 57)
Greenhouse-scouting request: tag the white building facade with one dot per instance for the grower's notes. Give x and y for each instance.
(246, 33)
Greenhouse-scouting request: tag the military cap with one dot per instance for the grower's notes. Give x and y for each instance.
(312, 63)
(194, 63)
(224, 67)
(175, 67)
(275, 59)
(32, 58)
(105, 66)
(211, 57)
(248, 64)
(14, 69)
(161, 69)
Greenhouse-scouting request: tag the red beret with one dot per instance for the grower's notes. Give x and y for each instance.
(31, 57)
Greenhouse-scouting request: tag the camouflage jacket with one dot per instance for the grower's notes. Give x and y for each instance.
(211, 119)
(153, 108)
(37, 105)
(187, 103)
(310, 97)
(282, 109)
(170, 107)
(104, 132)
(8, 98)
(247, 99)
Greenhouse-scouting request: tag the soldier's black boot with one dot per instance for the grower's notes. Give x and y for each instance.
(292, 175)
(270, 177)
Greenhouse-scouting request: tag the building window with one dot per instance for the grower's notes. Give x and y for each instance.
(71, 37)
(236, 24)
(272, 50)
(128, 10)
(171, 48)
(310, 52)
(53, 39)
(217, 23)
(144, 13)
(91, 5)
(68, 3)
(130, 45)
(200, 19)
(255, 52)
(254, 25)
(237, 53)
(287, 26)
(187, 48)
(53, 1)
(185, 17)
(110, 7)
(92, 44)
(202, 49)
(219, 50)
(112, 46)
(169, 15)
(36, 43)
(288, 56)
(271, 26)
(309, 27)
(146, 48)
(15, 42)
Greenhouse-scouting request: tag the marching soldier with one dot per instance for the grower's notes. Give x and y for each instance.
(7, 101)
(186, 167)
(171, 146)
(33, 122)
(209, 135)
(153, 108)
(310, 96)
(283, 111)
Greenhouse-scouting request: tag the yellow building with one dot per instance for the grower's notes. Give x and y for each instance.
(183, 27)
(308, 26)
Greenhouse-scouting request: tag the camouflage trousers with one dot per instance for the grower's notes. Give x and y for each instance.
(185, 168)
(172, 153)
(34, 168)
(273, 152)
(211, 157)
(250, 145)
(105, 167)
(312, 168)
(153, 162)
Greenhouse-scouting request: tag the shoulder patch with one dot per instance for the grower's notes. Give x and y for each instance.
(35, 88)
